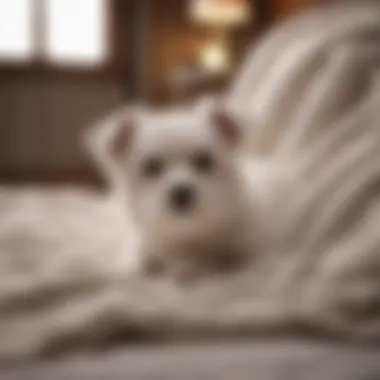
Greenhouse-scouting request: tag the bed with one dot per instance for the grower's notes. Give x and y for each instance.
(70, 309)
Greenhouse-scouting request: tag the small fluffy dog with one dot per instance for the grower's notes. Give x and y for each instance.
(199, 203)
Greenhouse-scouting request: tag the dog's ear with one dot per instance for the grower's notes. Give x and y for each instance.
(121, 136)
(227, 125)
(108, 139)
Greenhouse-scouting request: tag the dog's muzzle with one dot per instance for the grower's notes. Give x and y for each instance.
(182, 198)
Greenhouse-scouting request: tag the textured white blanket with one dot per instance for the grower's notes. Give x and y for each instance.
(313, 90)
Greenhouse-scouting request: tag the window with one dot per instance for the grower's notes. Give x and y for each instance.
(76, 31)
(16, 42)
(54, 32)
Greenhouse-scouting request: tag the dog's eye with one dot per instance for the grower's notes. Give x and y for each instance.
(152, 167)
(203, 162)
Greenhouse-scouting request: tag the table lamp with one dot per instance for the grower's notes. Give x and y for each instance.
(221, 16)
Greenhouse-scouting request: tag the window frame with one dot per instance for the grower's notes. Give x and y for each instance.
(120, 24)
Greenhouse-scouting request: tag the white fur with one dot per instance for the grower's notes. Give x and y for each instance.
(234, 201)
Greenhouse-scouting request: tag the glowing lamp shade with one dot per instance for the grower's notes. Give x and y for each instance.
(215, 58)
(226, 13)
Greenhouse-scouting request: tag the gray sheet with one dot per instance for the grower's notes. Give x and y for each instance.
(264, 360)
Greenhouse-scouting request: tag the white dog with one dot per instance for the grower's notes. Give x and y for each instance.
(199, 204)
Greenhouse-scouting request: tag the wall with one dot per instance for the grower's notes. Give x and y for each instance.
(41, 122)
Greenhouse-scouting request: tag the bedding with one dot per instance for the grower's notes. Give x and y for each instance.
(261, 360)
(65, 257)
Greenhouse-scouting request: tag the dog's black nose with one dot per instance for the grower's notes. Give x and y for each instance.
(182, 197)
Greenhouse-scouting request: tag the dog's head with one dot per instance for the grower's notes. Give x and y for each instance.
(180, 169)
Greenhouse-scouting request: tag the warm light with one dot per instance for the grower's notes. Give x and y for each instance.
(220, 12)
(76, 31)
(214, 58)
(16, 38)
